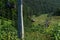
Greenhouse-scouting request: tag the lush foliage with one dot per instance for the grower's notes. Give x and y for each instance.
(8, 20)
(39, 31)
(39, 10)
(8, 31)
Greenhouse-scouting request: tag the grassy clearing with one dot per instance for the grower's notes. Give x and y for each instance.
(39, 32)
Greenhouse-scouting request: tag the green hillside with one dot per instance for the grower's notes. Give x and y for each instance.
(38, 30)
(41, 19)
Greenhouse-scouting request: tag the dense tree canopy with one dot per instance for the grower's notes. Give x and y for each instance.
(41, 6)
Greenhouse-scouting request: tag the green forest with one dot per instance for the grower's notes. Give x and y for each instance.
(8, 20)
(41, 19)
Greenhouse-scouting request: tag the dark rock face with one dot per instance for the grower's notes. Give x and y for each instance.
(32, 20)
(9, 5)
